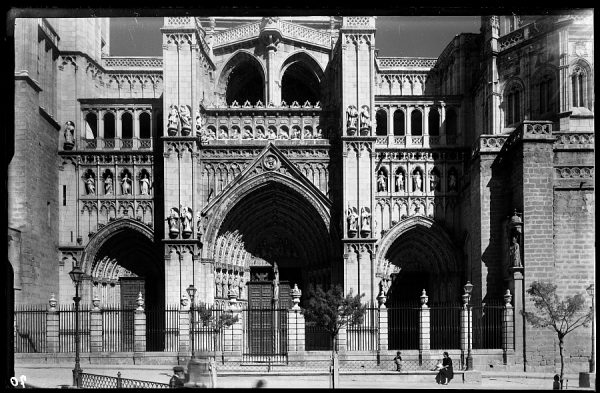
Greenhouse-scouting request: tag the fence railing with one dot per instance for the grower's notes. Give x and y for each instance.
(30, 329)
(364, 336)
(487, 326)
(94, 381)
(66, 328)
(265, 335)
(403, 326)
(162, 329)
(445, 325)
(317, 338)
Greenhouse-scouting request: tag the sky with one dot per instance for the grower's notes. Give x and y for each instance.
(412, 36)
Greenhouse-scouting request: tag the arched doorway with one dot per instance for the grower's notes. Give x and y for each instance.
(427, 260)
(120, 262)
(282, 240)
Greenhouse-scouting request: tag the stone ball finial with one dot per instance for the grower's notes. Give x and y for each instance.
(507, 297)
(52, 302)
(296, 293)
(96, 303)
(140, 301)
(184, 301)
(424, 298)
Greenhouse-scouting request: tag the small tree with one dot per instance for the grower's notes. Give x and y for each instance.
(332, 310)
(208, 318)
(563, 316)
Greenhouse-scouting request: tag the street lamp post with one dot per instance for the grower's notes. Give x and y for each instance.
(76, 275)
(468, 288)
(590, 291)
(191, 291)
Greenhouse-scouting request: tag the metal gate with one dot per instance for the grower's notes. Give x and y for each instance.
(265, 335)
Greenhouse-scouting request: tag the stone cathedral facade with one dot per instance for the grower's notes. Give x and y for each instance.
(262, 148)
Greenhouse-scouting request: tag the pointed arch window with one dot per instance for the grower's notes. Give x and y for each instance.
(399, 122)
(513, 104)
(381, 118)
(579, 81)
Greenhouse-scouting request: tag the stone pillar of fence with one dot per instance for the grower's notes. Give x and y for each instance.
(424, 328)
(139, 326)
(296, 323)
(342, 339)
(233, 334)
(96, 326)
(508, 323)
(466, 317)
(184, 325)
(383, 324)
(52, 325)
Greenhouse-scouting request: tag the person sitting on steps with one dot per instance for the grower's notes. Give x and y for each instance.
(446, 373)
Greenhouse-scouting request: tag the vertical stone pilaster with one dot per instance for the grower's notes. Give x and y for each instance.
(52, 322)
(139, 335)
(508, 323)
(184, 328)
(466, 329)
(424, 327)
(342, 340)
(96, 330)
(296, 331)
(383, 328)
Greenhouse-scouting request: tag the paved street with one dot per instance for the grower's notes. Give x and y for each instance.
(52, 376)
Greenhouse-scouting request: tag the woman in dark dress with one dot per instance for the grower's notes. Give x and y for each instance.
(447, 373)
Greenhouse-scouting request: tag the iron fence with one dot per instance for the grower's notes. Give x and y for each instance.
(67, 331)
(364, 336)
(487, 325)
(265, 335)
(403, 326)
(207, 334)
(445, 325)
(316, 338)
(117, 329)
(94, 381)
(162, 329)
(30, 328)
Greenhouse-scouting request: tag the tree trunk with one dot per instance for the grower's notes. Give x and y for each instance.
(562, 361)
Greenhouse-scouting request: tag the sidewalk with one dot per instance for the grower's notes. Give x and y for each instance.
(53, 376)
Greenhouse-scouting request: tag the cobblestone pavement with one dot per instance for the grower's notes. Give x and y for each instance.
(53, 376)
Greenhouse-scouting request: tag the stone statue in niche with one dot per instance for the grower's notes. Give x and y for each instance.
(199, 121)
(108, 184)
(126, 184)
(365, 118)
(198, 224)
(260, 133)
(399, 181)
(236, 285)
(352, 221)
(351, 119)
(308, 133)
(186, 221)
(247, 133)
(434, 181)
(230, 291)
(222, 134)
(145, 184)
(275, 282)
(272, 133)
(452, 181)
(173, 221)
(515, 252)
(69, 135)
(90, 185)
(365, 220)
(381, 181)
(319, 133)
(186, 119)
(173, 124)
(283, 134)
(417, 181)
(235, 133)
(218, 283)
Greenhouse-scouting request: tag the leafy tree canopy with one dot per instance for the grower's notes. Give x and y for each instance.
(332, 310)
